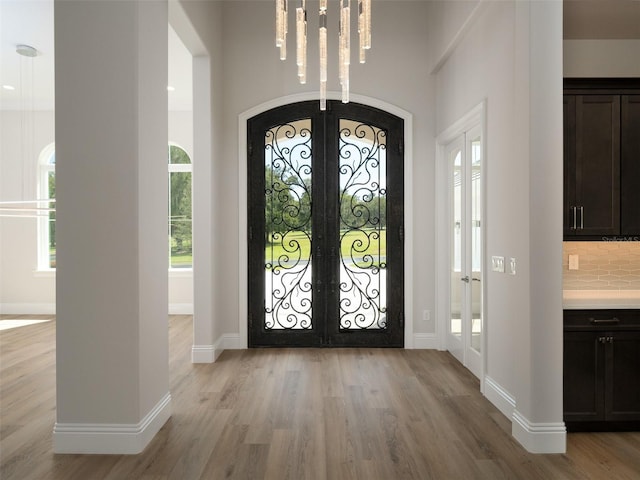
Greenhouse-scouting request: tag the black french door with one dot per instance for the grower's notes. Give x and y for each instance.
(326, 256)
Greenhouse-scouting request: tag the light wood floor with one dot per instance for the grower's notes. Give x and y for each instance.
(296, 414)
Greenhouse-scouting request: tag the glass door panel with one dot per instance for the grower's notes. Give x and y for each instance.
(457, 257)
(363, 236)
(476, 244)
(288, 233)
(455, 326)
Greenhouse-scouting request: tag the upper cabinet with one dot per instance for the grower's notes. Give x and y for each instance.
(601, 159)
(630, 164)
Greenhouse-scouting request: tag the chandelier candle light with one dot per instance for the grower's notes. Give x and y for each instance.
(344, 41)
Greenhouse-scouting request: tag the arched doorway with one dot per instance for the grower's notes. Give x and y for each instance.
(326, 226)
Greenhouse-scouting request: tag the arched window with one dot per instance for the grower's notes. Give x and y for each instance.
(180, 224)
(46, 185)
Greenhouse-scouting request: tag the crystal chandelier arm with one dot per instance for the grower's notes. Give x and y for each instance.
(281, 27)
(322, 42)
(301, 41)
(345, 47)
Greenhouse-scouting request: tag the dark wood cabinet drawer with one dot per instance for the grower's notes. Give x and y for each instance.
(610, 319)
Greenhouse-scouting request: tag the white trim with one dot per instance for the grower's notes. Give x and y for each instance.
(210, 353)
(499, 397)
(180, 272)
(457, 38)
(539, 437)
(428, 341)
(28, 308)
(44, 273)
(103, 438)
(242, 202)
(181, 309)
(230, 341)
(473, 118)
(204, 353)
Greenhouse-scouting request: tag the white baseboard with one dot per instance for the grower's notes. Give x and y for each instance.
(210, 353)
(119, 439)
(181, 309)
(203, 354)
(500, 398)
(426, 341)
(539, 437)
(230, 341)
(28, 308)
(50, 308)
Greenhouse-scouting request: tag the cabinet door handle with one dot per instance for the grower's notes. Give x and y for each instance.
(604, 321)
(575, 215)
(581, 218)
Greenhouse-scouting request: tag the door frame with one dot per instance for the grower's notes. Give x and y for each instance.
(472, 119)
(242, 203)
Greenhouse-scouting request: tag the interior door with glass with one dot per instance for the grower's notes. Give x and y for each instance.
(465, 322)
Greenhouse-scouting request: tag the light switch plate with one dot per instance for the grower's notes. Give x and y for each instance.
(497, 264)
(512, 266)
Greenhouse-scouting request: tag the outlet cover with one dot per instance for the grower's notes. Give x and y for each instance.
(574, 262)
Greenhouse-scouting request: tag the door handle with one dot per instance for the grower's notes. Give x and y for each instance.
(475, 279)
(465, 279)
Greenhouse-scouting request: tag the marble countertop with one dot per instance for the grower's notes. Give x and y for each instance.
(600, 299)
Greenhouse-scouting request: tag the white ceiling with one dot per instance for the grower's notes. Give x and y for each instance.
(31, 22)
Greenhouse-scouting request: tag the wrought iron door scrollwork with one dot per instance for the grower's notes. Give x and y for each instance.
(288, 296)
(362, 153)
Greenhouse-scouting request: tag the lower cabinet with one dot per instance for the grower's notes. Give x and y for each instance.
(602, 369)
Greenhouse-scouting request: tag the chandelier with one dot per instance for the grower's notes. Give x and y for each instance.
(344, 41)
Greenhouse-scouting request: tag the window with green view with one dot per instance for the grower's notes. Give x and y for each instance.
(180, 218)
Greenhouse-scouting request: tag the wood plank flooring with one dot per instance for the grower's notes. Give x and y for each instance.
(296, 414)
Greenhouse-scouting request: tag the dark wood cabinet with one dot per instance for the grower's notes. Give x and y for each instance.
(602, 369)
(630, 164)
(592, 165)
(601, 159)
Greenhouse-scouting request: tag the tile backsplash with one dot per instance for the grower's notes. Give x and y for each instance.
(602, 266)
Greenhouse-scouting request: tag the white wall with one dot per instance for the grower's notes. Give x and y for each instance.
(504, 57)
(396, 72)
(199, 25)
(601, 58)
(112, 358)
(482, 67)
(22, 288)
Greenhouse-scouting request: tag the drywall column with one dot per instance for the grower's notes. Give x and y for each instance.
(111, 174)
(203, 350)
(537, 420)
